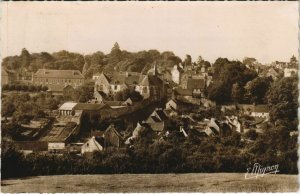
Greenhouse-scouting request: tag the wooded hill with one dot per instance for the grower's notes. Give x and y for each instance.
(117, 59)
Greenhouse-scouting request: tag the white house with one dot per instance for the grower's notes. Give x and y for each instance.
(67, 108)
(56, 146)
(288, 72)
(90, 146)
(176, 73)
(260, 111)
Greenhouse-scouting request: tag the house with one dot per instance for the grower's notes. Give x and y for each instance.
(28, 147)
(182, 92)
(25, 77)
(167, 75)
(151, 86)
(74, 148)
(67, 108)
(234, 123)
(56, 147)
(157, 115)
(88, 107)
(272, 73)
(112, 138)
(92, 145)
(289, 72)
(228, 107)
(197, 86)
(117, 81)
(147, 85)
(59, 90)
(96, 76)
(215, 127)
(179, 105)
(99, 96)
(260, 111)
(157, 120)
(176, 74)
(142, 129)
(48, 77)
(118, 104)
(8, 76)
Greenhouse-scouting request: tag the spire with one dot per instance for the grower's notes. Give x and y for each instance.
(155, 69)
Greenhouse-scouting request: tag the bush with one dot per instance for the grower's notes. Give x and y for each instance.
(251, 134)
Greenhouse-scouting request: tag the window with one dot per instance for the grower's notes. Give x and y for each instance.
(115, 87)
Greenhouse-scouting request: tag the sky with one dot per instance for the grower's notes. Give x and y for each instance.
(267, 31)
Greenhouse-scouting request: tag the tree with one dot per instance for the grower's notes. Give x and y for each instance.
(227, 73)
(258, 88)
(187, 60)
(25, 58)
(200, 60)
(249, 61)
(251, 134)
(294, 62)
(115, 54)
(128, 93)
(237, 93)
(283, 99)
(219, 92)
(7, 108)
(84, 93)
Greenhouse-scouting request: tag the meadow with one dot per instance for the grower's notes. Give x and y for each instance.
(194, 182)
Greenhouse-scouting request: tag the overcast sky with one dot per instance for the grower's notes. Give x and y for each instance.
(267, 31)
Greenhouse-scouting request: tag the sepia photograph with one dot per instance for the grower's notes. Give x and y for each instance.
(149, 97)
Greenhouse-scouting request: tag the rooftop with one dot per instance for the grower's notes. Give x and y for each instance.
(67, 106)
(66, 74)
(88, 106)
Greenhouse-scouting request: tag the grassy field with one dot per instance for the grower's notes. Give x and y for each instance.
(202, 182)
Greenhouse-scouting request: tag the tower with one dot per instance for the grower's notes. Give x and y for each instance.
(155, 70)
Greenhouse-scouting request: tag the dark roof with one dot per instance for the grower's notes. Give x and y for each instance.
(261, 108)
(161, 114)
(128, 78)
(113, 129)
(88, 106)
(183, 92)
(195, 83)
(154, 80)
(57, 87)
(32, 145)
(158, 127)
(254, 108)
(182, 101)
(97, 133)
(66, 74)
(114, 103)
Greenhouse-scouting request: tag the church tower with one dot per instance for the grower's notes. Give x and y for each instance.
(155, 72)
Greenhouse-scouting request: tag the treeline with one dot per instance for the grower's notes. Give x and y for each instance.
(24, 87)
(116, 60)
(175, 154)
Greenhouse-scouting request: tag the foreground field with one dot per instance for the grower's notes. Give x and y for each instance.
(202, 182)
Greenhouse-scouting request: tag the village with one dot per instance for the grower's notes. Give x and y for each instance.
(164, 99)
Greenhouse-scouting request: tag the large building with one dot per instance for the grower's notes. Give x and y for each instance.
(150, 85)
(49, 77)
(8, 76)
